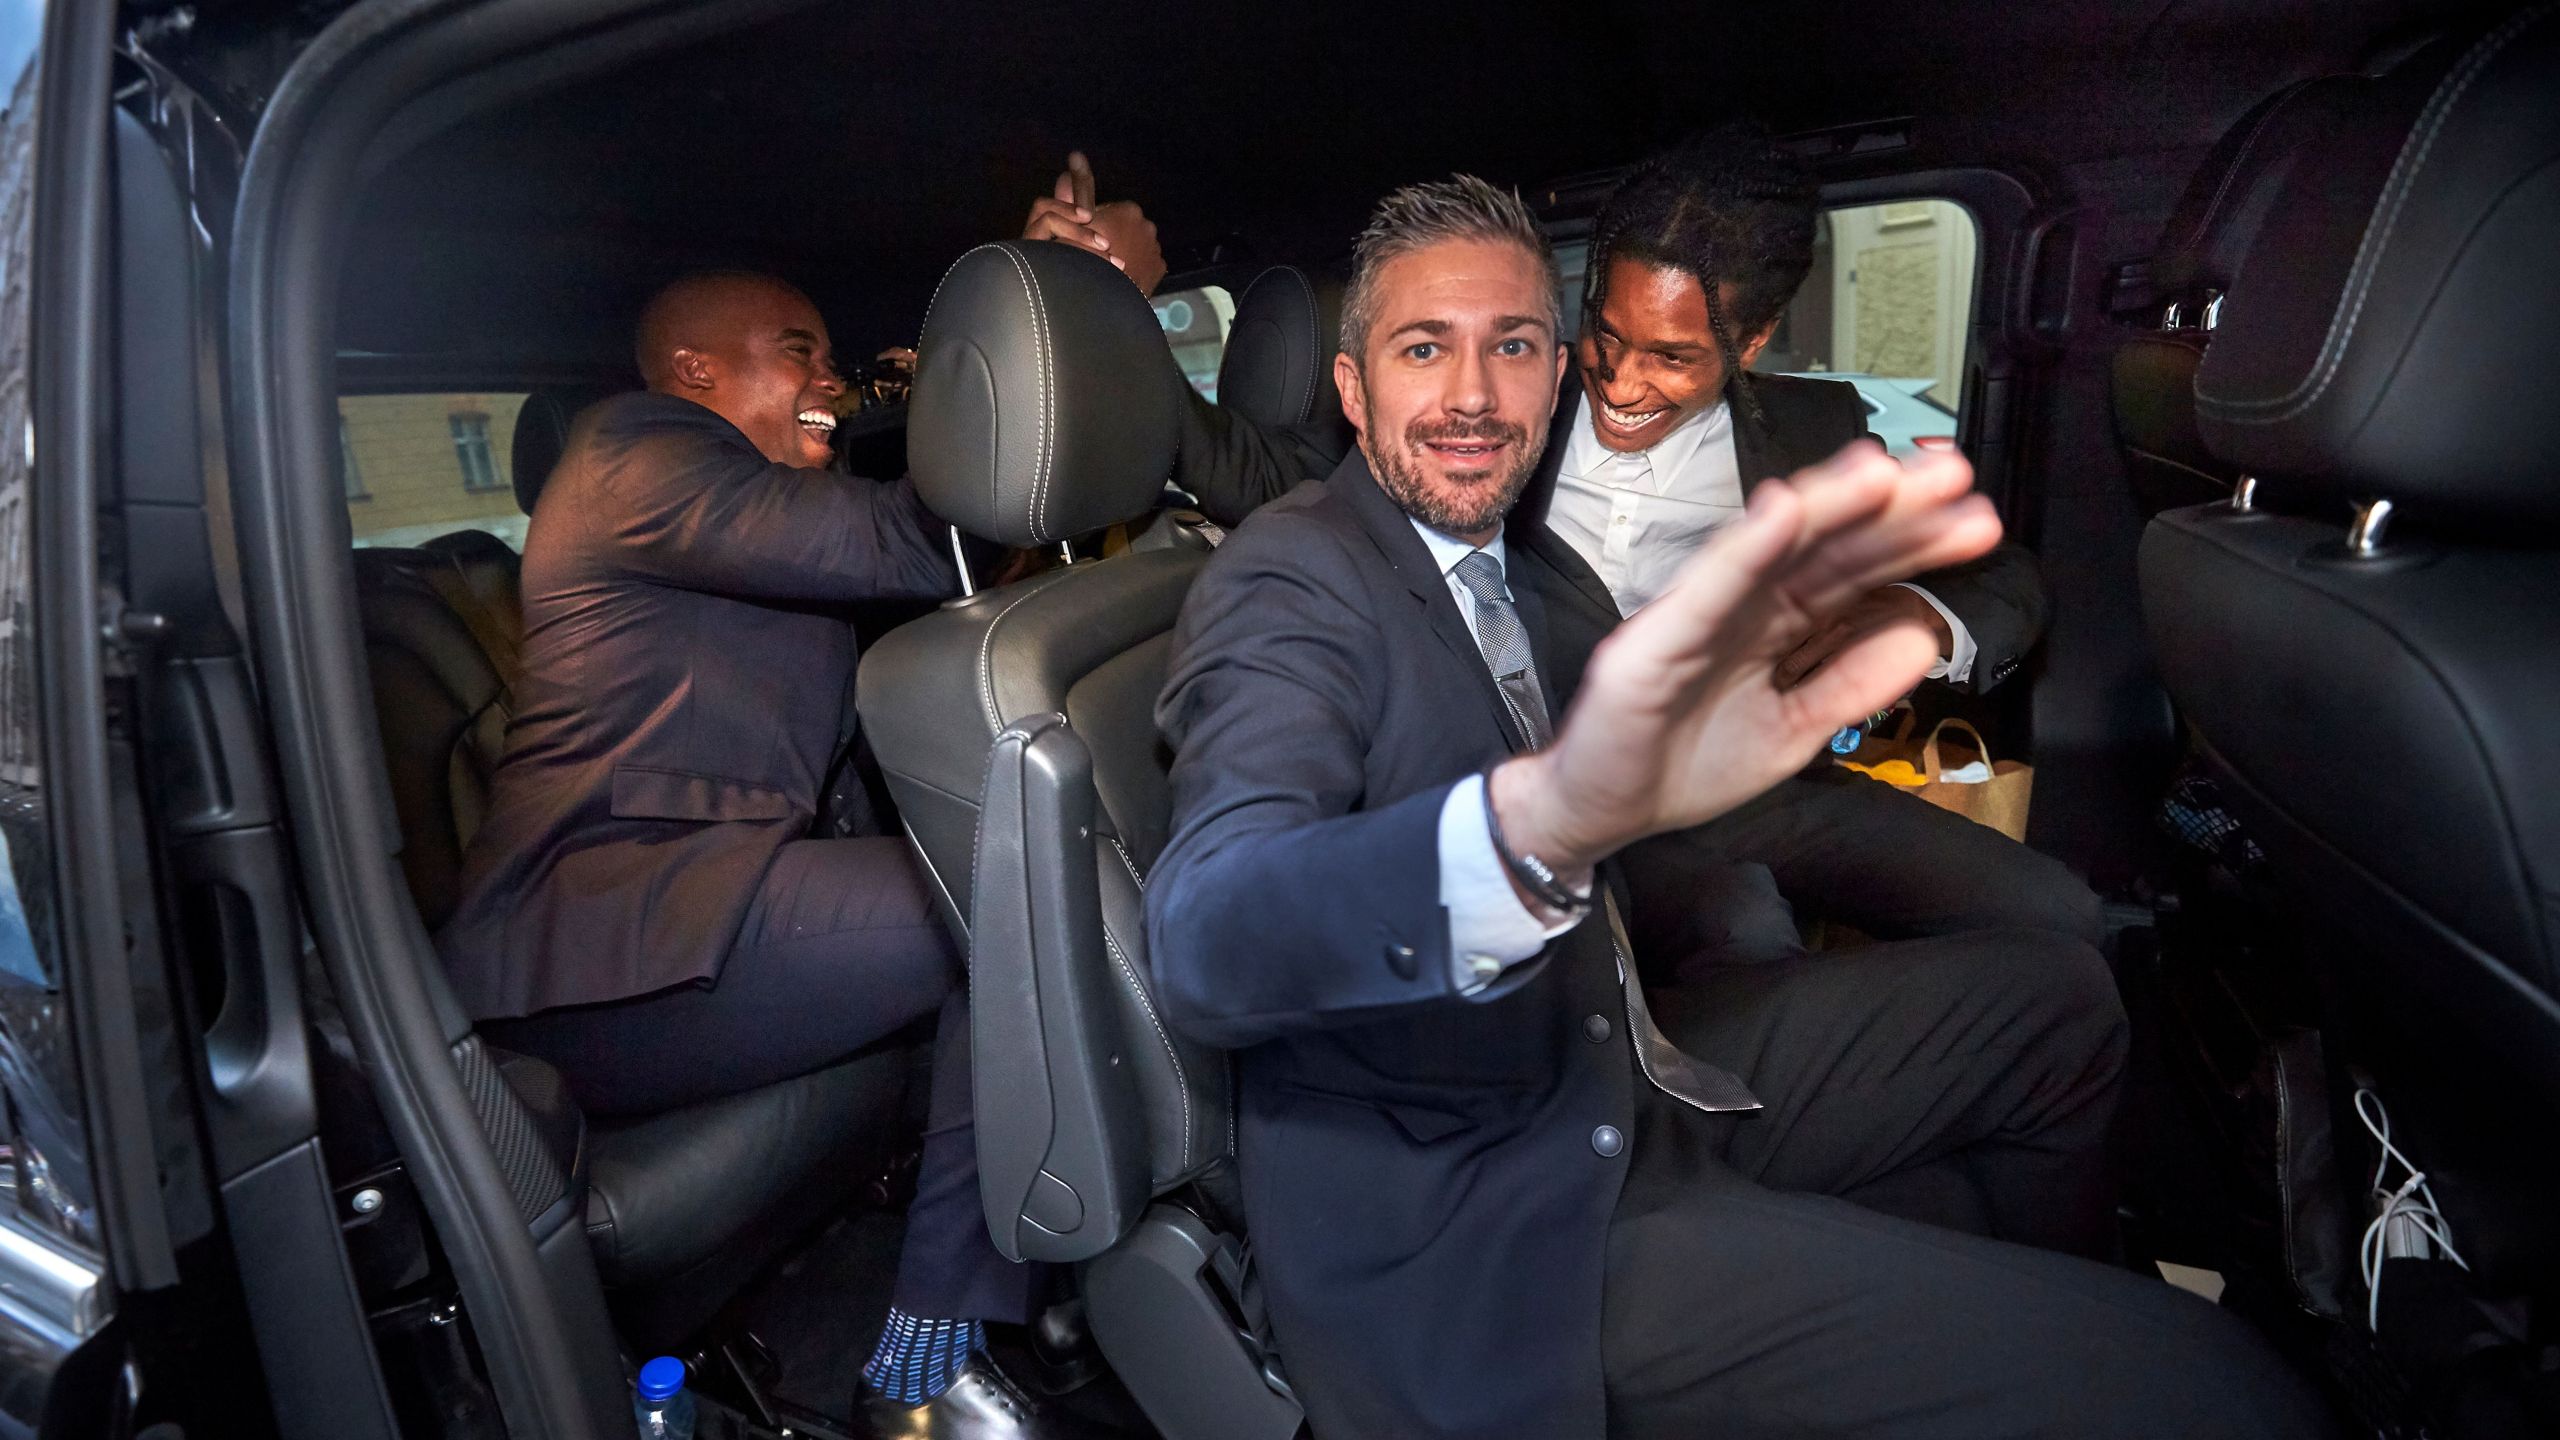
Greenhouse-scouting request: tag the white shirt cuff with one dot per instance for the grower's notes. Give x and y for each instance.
(1957, 666)
(1490, 930)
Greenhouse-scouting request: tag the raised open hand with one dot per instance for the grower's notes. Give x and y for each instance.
(1681, 716)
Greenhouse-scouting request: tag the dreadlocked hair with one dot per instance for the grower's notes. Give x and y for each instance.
(1727, 206)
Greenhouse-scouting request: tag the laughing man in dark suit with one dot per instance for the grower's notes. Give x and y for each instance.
(646, 906)
(1488, 1196)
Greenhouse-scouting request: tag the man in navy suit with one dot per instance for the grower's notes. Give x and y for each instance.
(1489, 1193)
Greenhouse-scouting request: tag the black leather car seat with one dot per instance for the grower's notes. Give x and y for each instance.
(1016, 729)
(1278, 366)
(680, 1209)
(2377, 692)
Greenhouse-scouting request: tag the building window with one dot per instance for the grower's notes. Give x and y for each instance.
(347, 469)
(471, 446)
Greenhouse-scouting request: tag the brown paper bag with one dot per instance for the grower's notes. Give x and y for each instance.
(1999, 802)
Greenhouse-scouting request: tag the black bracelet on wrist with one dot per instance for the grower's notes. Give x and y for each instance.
(1535, 875)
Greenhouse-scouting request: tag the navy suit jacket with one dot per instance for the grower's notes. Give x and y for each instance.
(687, 680)
(1429, 1212)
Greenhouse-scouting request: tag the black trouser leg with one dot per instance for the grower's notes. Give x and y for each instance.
(1743, 1313)
(841, 949)
(949, 1269)
(1845, 847)
(1966, 1081)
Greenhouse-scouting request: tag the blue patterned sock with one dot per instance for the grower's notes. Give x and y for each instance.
(916, 1358)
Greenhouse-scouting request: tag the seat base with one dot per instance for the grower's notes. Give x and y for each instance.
(1157, 1309)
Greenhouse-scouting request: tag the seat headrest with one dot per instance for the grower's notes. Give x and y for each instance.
(1278, 368)
(2152, 382)
(542, 437)
(2407, 356)
(1045, 399)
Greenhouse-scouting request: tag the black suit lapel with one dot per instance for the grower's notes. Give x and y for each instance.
(1392, 531)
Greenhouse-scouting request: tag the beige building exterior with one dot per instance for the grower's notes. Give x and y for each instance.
(420, 465)
(1902, 292)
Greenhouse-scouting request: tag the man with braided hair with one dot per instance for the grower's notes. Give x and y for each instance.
(1660, 432)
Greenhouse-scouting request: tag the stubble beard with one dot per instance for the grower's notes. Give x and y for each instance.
(1477, 507)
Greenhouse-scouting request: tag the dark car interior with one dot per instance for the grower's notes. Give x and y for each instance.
(2259, 318)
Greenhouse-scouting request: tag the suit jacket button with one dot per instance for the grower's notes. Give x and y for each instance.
(1608, 1141)
(1400, 960)
(1595, 1028)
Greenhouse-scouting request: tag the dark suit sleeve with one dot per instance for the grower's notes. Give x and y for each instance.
(704, 515)
(1279, 906)
(1233, 466)
(2000, 597)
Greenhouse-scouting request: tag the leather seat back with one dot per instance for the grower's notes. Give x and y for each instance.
(1278, 367)
(2380, 702)
(1016, 730)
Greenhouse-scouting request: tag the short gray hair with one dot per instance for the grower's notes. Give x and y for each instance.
(1416, 217)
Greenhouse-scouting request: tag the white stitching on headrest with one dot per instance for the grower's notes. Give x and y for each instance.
(2377, 235)
(1037, 514)
(937, 289)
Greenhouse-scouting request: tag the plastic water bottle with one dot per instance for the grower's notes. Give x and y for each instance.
(664, 1407)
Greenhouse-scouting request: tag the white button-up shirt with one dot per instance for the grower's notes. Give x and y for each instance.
(1635, 517)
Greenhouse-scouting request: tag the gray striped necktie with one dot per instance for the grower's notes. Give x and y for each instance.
(1506, 647)
(1506, 653)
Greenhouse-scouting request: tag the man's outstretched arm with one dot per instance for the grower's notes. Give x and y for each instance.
(1278, 906)
(1682, 714)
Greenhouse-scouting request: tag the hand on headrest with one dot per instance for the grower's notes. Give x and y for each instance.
(1119, 232)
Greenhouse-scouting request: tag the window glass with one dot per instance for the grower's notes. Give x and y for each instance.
(1888, 308)
(1195, 323)
(419, 466)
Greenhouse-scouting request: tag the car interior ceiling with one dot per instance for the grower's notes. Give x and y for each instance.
(858, 154)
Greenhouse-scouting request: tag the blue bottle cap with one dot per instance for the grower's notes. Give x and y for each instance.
(1846, 741)
(661, 1379)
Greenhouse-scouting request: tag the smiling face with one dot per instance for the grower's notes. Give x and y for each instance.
(1458, 382)
(753, 350)
(1649, 359)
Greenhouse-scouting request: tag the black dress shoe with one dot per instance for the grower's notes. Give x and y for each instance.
(982, 1404)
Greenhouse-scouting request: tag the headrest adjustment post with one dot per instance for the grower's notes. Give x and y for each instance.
(2244, 494)
(960, 561)
(2373, 517)
(2212, 310)
(2171, 318)
(1067, 551)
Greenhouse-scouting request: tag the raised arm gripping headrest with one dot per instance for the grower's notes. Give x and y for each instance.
(2410, 358)
(1041, 409)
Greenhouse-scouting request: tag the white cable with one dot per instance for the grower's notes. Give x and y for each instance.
(2408, 1220)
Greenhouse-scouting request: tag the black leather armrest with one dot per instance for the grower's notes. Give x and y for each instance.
(1062, 1138)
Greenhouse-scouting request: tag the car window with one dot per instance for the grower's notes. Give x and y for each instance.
(418, 466)
(1888, 307)
(1195, 323)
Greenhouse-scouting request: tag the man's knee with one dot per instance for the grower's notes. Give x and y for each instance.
(2029, 890)
(2063, 989)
